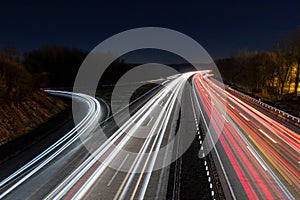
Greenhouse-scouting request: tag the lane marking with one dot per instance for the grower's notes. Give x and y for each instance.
(216, 151)
(150, 161)
(255, 156)
(244, 116)
(231, 106)
(267, 136)
(115, 174)
(145, 110)
(272, 163)
(149, 121)
(225, 118)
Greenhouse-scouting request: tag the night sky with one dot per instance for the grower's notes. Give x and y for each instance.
(220, 27)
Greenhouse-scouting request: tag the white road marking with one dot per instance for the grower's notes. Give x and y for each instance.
(255, 156)
(225, 118)
(231, 106)
(267, 136)
(149, 121)
(244, 116)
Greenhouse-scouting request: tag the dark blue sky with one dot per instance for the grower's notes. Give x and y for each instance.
(221, 27)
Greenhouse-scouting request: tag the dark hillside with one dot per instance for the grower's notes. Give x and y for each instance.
(23, 105)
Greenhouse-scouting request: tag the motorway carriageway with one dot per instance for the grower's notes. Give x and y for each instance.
(259, 156)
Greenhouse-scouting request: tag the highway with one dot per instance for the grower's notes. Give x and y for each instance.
(256, 156)
(35, 175)
(124, 166)
(259, 156)
(123, 163)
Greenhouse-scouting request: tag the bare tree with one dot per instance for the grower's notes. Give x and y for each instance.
(283, 67)
(295, 51)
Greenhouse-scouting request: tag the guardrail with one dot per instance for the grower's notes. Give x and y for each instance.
(282, 114)
(272, 108)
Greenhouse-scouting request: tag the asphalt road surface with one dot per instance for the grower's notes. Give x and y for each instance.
(260, 157)
(256, 156)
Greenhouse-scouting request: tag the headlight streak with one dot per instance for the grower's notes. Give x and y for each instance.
(90, 119)
(98, 169)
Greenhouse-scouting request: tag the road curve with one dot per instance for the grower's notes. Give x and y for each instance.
(109, 168)
(51, 154)
(124, 166)
(259, 157)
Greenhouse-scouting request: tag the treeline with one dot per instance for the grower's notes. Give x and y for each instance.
(48, 66)
(23, 105)
(273, 75)
(16, 82)
(57, 66)
(54, 65)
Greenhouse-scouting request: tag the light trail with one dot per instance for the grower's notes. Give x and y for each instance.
(263, 153)
(258, 156)
(53, 151)
(84, 178)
